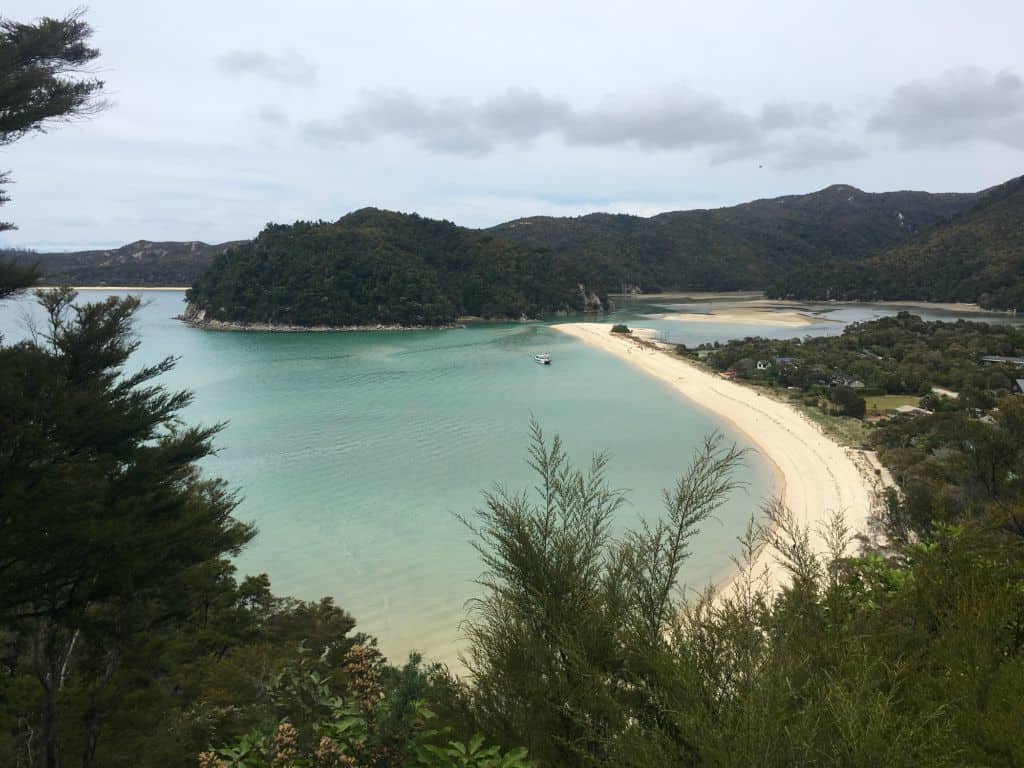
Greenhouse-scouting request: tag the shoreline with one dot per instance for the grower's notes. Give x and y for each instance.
(816, 475)
(172, 288)
(232, 327)
(751, 298)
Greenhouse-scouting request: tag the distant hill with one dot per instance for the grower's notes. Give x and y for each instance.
(741, 247)
(839, 242)
(976, 256)
(378, 267)
(140, 263)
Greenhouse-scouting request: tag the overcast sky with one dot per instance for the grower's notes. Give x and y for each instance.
(227, 114)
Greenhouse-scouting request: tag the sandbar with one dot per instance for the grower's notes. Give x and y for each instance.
(817, 475)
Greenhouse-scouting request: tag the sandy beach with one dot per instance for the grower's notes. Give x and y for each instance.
(817, 476)
(751, 315)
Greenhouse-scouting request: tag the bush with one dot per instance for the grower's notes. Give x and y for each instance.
(620, 328)
(846, 402)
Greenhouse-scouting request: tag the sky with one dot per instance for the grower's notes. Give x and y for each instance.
(226, 115)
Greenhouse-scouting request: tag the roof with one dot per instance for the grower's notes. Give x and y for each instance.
(1020, 385)
(1002, 359)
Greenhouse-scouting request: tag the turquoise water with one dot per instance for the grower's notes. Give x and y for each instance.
(354, 452)
(831, 318)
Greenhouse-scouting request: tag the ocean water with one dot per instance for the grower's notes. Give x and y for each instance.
(355, 453)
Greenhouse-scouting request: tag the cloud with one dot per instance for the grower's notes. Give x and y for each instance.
(272, 115)
(289, 67)
(676, 119)
(785, 115)
(448, 127)
(522, 115)
(961, 105)
(808, 151)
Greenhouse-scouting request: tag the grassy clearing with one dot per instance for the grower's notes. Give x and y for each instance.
(882, 403)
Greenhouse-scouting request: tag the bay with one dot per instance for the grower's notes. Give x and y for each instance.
(355, 453)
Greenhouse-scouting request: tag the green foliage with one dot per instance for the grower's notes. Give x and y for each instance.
(846, 402)
(904, 656)
(377, 267)
(141, 263)
(740, 247)
(40, 64)
(978, 256)
(106, 517)
(568, 638)
(620, 328)
(901, 355)
(317, 728)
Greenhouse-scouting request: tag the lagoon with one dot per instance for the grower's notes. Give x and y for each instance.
(354, 453)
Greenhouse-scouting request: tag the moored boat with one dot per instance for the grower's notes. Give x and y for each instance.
(543, 358)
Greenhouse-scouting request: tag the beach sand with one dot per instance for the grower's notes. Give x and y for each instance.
(817, 476)
(751, 315)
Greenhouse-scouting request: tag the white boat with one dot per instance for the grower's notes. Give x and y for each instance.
(543, 358)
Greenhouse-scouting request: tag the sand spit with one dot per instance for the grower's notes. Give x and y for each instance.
(817, 475)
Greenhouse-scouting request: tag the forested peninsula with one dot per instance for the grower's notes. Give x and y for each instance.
(376, 268)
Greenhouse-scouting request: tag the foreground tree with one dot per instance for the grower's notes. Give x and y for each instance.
(901, 656)
(43, 80)
(568, 640)
(106, 520)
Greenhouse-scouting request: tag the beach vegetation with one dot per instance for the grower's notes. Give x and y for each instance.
(621, 328)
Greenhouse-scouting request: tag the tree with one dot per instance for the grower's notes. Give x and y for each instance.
(106, 517)
(570, 634)
(43, 80)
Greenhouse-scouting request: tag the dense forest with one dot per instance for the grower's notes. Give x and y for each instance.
(978, 256)
(902, 354)
(838, 243)
(141, 263)
(739, 247)
(745, 246)
(378, 267)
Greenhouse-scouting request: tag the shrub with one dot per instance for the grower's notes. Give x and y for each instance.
(620, 328)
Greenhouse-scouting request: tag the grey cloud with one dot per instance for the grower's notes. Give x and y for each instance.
(272, 115)
(807, 151)
(448, 127)
(522, 114)
(966, 104)
(680, 119)
(288, 67)
(677, 120)
(784, 115)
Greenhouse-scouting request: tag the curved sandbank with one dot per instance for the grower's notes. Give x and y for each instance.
(751, 315)
(817, 476)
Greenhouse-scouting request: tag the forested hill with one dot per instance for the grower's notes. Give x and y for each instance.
(741, 247)
(140, 263)
(379, 267)
(978, 256)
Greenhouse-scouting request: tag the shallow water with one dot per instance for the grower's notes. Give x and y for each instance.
(356, 451)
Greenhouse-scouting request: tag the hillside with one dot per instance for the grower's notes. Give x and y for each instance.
(977, 256)
(740, 247)
(140, 263)
(378, 267)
